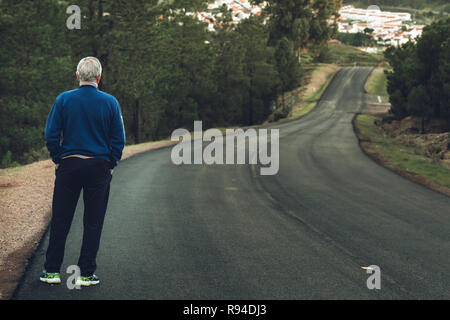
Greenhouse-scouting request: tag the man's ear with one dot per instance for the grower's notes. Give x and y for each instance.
(78, 76)
(98, 78)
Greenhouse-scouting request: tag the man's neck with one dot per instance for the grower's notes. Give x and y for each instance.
(89, 83)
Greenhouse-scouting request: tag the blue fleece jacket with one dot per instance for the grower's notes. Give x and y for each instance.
(90, 122)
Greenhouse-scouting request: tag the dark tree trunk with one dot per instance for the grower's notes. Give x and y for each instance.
(423, 125)
(136, 125)
(100, 9)
(251, 102)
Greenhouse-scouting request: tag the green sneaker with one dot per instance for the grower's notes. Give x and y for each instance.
(50, 277)
(87, 281)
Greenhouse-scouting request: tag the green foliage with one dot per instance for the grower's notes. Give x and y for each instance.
(349, 55)
(260, 68)
(287, 65)
(7, 161)
(357, 39)
(303, 22)
(34, 69)
(419, 83)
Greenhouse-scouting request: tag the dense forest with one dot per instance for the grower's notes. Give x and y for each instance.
(419, 83)
(162, 64)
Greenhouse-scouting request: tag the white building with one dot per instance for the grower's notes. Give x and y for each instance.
(240, 10)
(351, 13)
(388, 27)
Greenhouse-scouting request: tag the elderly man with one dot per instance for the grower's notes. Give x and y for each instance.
(93, 136)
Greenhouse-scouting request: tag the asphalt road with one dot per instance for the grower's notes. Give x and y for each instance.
(225, 232)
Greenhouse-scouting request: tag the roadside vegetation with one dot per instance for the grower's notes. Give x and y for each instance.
(360, 39)
(302, 100)
(377, 83)
(419, 82)
(320, 77)
(414, 138)
(410, 160)
(346, 55)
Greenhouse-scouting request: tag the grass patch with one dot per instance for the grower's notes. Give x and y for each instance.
(377, 84)
(348, 56)
(305, 108)
(399, 157)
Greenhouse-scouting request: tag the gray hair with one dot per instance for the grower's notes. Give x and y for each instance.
(89, 69)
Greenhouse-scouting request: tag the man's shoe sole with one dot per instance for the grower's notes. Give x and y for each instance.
(50, 281)
(86, 283)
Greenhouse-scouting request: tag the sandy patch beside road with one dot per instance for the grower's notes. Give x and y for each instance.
(25, 210)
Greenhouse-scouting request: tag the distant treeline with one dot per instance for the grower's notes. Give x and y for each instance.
(419, 84)
(162, 65)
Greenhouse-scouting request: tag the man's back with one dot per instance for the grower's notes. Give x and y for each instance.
(91, 123)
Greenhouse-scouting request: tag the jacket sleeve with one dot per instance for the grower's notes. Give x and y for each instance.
(117, 135)
(53, 129)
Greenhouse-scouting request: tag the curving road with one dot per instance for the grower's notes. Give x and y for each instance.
(225, 232)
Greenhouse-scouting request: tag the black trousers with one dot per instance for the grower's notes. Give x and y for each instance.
(72, 175)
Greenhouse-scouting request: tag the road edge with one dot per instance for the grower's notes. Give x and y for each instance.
(365, 145)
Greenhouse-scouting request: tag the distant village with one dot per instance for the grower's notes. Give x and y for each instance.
(240, 9)
(387, 28)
